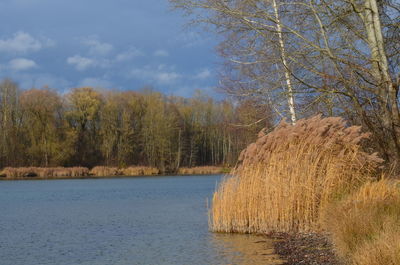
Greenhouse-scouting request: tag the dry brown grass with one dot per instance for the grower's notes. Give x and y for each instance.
(140, 171)
(39, 172)
(384, 250)
(201, 170)
(75, 172)
(103, 171)
(365, 226)
(288, 176)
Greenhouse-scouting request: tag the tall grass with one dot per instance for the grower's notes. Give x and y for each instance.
(365, 226)
(286, 178)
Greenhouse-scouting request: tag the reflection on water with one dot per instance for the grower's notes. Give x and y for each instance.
(133, 221)
(242, 249)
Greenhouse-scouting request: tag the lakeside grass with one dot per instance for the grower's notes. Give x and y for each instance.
(365, 226)
(314, 177)
(10, 173)
(202, 170)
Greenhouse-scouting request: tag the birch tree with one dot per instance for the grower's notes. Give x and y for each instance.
(341, 53)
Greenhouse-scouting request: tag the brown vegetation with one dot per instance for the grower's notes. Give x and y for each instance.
(201, 170)
(102, 171)
(140, 171)
(286, 179)
(38, 172)
(365, 226)
(314, 177)
(98, 171)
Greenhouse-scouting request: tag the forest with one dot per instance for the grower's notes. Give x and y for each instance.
(91, 127)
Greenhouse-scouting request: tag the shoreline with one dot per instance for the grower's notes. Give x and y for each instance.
(304, 248)
(32, 173)
(103, 177)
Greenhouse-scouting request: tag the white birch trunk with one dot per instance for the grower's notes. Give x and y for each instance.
(290, 96)
(380, 70)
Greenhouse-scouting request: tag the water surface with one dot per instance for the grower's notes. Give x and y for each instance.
(144, 220)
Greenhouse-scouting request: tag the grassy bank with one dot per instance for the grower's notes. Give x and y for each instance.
(365, 226)
(41, 173)
(314, 177)
(10, 173)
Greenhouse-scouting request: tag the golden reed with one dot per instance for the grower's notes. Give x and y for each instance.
(285, 179)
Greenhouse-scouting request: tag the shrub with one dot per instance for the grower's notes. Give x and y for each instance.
(287, 177)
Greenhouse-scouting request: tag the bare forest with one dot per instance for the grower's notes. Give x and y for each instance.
(90, 127)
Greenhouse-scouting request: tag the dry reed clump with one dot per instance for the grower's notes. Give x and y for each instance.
(284, 179)
(102, 171)
(200, 170)
(365, 226)
(140, 171)
(56, 172)
(75, 172)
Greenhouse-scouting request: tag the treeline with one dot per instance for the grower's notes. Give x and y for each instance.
(90, 127)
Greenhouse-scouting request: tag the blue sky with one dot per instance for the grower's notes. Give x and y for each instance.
(121, 44)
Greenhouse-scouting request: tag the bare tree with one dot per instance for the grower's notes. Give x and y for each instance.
(343, 54)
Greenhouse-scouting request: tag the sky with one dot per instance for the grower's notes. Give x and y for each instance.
(113, 44)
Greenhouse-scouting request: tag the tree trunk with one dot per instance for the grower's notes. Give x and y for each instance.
(290, 96)
(387, 92)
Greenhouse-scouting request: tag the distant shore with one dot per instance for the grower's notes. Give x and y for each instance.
(30, 173)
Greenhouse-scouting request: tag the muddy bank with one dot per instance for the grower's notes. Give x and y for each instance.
(306, 249)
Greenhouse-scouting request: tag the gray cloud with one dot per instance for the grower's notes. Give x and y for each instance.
(81, 63)
(97, 47)
(129, 54)
(160, 74)
(95, 82)
(23, 42)
(20, 64)
(161, 53)
(203, 74)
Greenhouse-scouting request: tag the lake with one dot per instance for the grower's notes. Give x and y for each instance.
(142, 220)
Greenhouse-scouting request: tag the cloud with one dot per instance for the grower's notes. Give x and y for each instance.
(191, 90)
(165, 77)
(161, 53)
(20, 64)
(189, 39)
(203, 74)
(81, 63)
(161, 74)
(22, 42)
(27, 80)
(129, 54)
(95, 82)
(96, 47)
